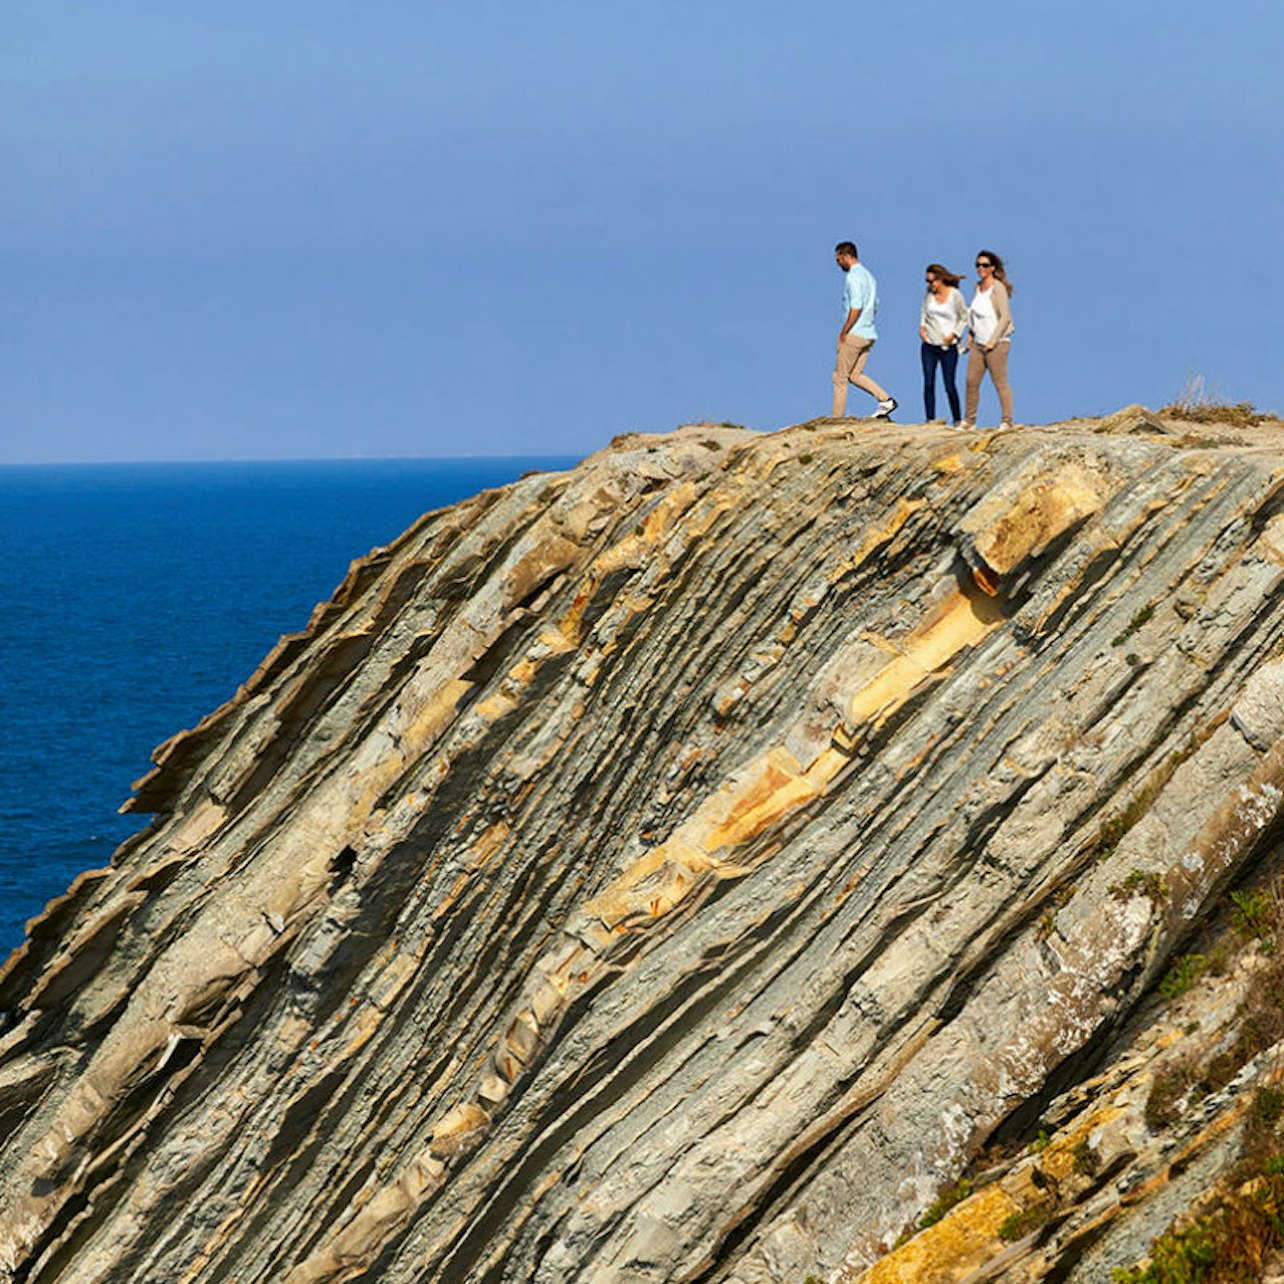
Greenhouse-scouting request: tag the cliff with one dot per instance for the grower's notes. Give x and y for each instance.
(740, 858)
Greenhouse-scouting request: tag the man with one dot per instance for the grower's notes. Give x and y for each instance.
(856, 338)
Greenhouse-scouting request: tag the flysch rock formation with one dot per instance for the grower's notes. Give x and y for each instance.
(686, 867)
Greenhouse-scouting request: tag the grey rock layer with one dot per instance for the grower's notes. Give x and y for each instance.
(642, 873)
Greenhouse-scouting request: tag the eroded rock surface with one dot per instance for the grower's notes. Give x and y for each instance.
(680, 869)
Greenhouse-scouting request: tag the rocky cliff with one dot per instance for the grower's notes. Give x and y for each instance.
(844, 852)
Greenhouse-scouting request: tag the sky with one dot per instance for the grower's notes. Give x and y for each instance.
(336, 229)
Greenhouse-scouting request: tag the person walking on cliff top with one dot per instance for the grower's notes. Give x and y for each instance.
(940, 326)
(856, 338)
(991, 340)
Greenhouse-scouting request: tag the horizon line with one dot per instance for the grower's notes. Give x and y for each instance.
(283, 459)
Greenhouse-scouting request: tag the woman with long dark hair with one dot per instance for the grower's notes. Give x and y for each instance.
(941, 325)
(990, 319)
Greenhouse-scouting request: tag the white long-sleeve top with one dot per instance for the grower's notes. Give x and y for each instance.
(990, 316)
(943, 317)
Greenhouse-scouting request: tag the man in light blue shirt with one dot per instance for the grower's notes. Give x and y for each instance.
(856, 338)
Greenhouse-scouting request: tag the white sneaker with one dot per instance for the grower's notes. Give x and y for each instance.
(1004, 426)
(963, 425)
(885, 409)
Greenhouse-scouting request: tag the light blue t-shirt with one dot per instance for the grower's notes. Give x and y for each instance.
(861, 291)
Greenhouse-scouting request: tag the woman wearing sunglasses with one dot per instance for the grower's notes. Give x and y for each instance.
(991, 321)
(940, 326)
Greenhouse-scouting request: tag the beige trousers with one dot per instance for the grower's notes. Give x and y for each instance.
(853, 352)
(996, 362)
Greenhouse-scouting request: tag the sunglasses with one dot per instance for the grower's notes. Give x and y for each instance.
(984, 263)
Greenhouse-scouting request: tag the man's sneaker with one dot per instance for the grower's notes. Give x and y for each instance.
(885, 409)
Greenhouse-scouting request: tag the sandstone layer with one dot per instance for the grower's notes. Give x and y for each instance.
(685, 868)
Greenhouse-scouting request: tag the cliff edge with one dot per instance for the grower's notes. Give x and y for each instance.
(740, 858)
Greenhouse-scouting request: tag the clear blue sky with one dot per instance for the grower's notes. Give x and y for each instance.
(286, 229)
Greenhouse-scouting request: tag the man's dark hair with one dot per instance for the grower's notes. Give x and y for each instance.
(846, 247)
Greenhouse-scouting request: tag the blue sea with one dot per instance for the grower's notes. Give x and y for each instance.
(135, 598)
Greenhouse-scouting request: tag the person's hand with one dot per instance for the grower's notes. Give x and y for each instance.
(922, 334)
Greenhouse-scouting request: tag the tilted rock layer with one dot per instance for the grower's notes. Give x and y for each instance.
(680, 868)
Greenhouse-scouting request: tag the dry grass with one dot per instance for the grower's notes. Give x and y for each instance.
(1198, 402)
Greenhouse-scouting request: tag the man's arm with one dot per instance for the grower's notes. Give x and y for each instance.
(852, 314)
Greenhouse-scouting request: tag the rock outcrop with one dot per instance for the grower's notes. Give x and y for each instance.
(717, 862)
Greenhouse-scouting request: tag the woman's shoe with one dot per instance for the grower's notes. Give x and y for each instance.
(1004, 426)
(963, 425)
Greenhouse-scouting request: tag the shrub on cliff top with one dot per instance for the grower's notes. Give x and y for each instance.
(1199, 403)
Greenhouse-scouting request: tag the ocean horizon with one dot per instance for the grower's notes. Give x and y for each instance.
(139, 596)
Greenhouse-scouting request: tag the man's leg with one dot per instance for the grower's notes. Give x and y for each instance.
(858, 375)
(842, 371)
(847, 367)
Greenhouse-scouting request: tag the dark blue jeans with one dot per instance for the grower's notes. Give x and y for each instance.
(948, 360)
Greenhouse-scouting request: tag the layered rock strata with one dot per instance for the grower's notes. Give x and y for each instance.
(644, 873)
